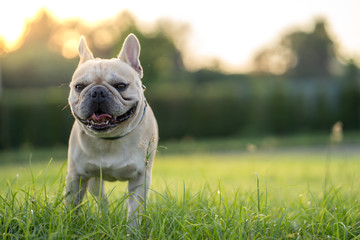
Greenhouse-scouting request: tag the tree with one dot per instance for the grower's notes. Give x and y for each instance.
(314, 51)
(40, 60)
(350, 97)
(300, 54)
(3, 50)
(39, 30)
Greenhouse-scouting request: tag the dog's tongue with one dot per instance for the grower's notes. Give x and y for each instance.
(100, 118)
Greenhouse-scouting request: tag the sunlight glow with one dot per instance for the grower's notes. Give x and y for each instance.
(13, 19)
(227, 32)
(69, 40)
(11, 32)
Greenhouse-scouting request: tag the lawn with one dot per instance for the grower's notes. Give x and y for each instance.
(268, 194)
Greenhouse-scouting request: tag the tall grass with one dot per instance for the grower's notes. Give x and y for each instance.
(196, 197)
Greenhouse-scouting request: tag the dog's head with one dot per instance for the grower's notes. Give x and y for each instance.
(106, 95)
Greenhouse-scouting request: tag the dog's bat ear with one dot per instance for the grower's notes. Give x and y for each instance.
(130, 53)
(84, 52)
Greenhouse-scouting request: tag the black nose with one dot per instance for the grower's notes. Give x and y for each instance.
(98, 93)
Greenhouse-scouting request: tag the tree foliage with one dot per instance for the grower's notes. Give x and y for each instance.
(40, 61)
(301, 54)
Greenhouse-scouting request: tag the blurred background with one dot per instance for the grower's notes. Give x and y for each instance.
(235, 70)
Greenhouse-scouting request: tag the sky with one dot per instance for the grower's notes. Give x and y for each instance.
(229, 30)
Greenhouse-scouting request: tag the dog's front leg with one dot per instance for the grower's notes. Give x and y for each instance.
(75, 189)
(96, 186)
(137, 196)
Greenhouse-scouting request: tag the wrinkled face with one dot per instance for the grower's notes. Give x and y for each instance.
(105, 94)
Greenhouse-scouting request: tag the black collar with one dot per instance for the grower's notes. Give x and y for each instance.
(121, 136)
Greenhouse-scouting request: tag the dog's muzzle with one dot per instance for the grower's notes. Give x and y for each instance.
(100, 121)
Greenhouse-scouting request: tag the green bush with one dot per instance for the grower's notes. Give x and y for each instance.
(39, 117)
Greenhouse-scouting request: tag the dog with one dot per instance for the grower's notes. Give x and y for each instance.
(115, 133)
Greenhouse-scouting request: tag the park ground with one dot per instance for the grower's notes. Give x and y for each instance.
(291, 188)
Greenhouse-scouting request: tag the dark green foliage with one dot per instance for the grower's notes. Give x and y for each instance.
(210, 109)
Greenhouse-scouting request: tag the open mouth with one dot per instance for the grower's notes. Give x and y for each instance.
(100, 121)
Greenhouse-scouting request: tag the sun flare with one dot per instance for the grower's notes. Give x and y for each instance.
(13, 19)
(11, 33)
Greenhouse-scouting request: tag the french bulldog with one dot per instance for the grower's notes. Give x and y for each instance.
(115, 133)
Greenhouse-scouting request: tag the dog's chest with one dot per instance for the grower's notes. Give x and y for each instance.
(112, 167)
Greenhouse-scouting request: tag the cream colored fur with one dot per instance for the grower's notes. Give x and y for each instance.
(92, 157)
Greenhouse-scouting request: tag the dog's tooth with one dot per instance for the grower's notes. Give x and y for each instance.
(92, 122)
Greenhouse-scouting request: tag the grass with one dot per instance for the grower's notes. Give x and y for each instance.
(244, 195)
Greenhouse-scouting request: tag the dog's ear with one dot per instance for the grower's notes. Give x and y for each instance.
(130, 53)
(84, 52)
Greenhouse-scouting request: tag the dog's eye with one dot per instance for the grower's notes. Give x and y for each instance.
(79, 87)
(120, 86)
